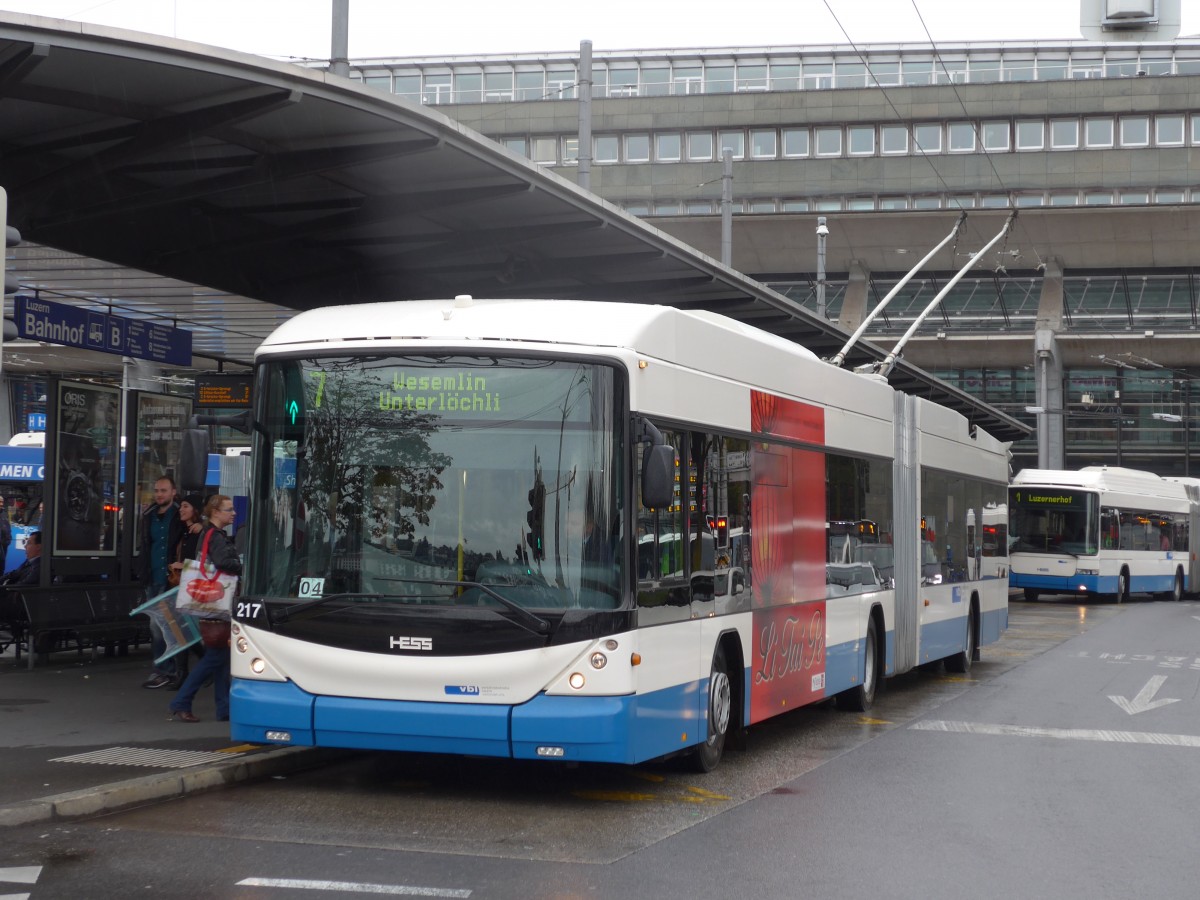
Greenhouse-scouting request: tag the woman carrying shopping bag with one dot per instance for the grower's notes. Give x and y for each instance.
(215, 549)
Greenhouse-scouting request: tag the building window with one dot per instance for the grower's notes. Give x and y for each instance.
(718, 79)
(795, 142)
(656, 82)
(795, 206)
(1168, 131)
(570, 151)
(698, 208)
(667, 208)
(408, 87)
(961, 201)
(531, 85)
(927, 138)
(893, 139)
(860, 204)
(607, 148)
(827, 205)
(1196, 129)
(468, 87)
(1064, 199)
(785, 77)
(851, 75)
(994, 201)
(700, 146)
(1097, 198)
(1135, 131)
(637, 209)
(1018, 69)
(379, 82)
(762, 206)
(734, 141)
(918, 71)
(1031, 135)
(829, 141)
(1030, 200)
(498, 87)
(752, 78)
(962, 137)
(927, 203)
(1098, 133)
(995, 136)
(885, 74)
(545, 150)
(637, 148)
(668, 147)
(1052, 69)
(688, 80)
(818, 76)
(1168, 196)
(861, 140)
(519, 146)
(436, 90)
(623, 82)
(560, 84)
(764, 144)
(889, 203)
(1064, 134)
(1134, 198)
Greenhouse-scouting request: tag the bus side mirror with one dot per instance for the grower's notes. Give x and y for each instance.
(658, 476)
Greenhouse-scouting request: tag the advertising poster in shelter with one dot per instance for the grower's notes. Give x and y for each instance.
(87, 466)
(161, 421)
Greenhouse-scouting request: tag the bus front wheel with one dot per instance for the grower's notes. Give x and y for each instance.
(720, 703)
(1030, 595)
(1122, 594)
(961, 662)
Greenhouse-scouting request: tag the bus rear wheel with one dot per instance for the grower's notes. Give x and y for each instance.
(1177, 591)
(862, 697)
(706, 756)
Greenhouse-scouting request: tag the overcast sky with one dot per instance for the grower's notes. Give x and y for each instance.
(300, 28)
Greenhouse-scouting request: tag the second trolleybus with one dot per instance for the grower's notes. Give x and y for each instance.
(591, 531)
(1101, 530)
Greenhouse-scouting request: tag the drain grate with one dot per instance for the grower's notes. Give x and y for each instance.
(146, 756)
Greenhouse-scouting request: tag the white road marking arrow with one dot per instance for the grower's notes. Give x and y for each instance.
(1144, 701)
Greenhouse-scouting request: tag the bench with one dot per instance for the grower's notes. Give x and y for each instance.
(82, 615)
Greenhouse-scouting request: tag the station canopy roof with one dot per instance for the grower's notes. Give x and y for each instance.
(223, 191)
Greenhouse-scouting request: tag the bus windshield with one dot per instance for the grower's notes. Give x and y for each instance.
(438, 481)
(1059, 521)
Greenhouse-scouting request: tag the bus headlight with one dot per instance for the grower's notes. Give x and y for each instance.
(599, 660)
(242, 645)
(258, 665)
(576, 680)
(1087, 571)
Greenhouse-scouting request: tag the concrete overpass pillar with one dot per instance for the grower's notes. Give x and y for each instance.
(854, 303)
(1048, 370)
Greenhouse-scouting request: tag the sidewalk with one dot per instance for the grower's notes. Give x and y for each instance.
(80, 737)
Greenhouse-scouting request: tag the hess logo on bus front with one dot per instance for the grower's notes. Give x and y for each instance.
(405, 642)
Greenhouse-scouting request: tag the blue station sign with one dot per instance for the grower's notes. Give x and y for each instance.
(58, 323)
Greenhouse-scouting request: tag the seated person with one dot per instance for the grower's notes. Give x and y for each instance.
(30, 571)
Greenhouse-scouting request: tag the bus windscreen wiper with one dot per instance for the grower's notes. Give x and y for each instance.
(287, 612)
(525, 618)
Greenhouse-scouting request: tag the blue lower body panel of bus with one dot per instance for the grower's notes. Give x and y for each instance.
(623, 729)
(1162, 583)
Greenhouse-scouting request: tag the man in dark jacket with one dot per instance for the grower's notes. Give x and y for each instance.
(30, 571)
(161, 530)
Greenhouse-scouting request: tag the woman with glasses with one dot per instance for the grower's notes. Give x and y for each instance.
(217, 546)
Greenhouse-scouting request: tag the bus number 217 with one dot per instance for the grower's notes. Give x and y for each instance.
(248, 610)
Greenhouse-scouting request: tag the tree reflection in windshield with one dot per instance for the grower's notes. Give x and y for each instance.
(413, 472)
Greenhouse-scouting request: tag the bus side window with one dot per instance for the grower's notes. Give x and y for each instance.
(1110, 529)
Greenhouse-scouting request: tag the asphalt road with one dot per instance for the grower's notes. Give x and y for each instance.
(1059, 767)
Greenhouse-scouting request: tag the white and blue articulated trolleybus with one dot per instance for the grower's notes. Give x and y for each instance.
(590, 531)
(1102, 530)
